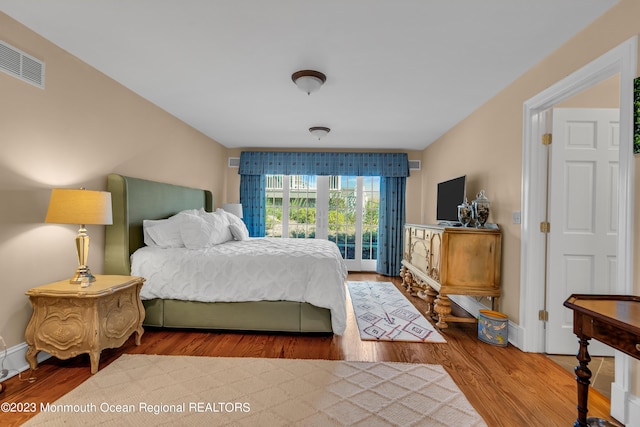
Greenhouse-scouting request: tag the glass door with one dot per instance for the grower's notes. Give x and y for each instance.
(353, 220)
(342, 209)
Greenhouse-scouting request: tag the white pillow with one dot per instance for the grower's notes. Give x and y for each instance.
(239, 232)
(146, 224)
(196, 232)
(164, 233)
(237, 226)
(204, 229)
(222, 233)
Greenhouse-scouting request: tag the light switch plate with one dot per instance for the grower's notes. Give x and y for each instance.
(516, 217)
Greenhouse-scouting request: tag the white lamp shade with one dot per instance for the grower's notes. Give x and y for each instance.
(308, 81)
(82, 207)
(234, 208)
(308, 84)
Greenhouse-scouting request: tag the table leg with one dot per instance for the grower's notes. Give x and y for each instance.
(94, 357)
(442, 306)
(583, 375)
(31, 357)
(139, 333)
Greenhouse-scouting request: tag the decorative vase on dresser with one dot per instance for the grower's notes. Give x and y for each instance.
(439, 261)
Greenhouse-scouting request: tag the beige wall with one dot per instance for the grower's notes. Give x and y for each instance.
(73, 133)
(487, 145)
(605, 94)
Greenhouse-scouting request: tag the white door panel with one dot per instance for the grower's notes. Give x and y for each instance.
(583, 199)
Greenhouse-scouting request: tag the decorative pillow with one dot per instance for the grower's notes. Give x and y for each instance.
(196, 232)
(163, 233)
(239, 232)
(237, 226)
(146, 224)
(220, 222)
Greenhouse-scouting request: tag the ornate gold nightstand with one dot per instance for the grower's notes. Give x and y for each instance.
(68, 320)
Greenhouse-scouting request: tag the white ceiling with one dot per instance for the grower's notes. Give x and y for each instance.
(400, 73)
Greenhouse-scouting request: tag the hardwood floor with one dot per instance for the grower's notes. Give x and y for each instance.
(506, 386)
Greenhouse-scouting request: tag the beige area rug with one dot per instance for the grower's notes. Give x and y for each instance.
(383, 313)
(150, 390)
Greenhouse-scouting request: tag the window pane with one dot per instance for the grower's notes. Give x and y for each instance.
(342, 214)
(371, 202)
(302, 206)
(274, 206)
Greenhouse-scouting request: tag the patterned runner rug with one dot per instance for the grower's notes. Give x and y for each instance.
(150, 390)
(384, 313)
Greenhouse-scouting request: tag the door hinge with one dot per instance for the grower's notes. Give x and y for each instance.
(543, 315)
(545, 227)
(546, 139)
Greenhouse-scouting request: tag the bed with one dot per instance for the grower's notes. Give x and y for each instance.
(136, 200)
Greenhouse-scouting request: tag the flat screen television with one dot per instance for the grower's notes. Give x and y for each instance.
(451, 193)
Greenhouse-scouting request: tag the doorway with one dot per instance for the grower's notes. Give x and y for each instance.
(622, 60)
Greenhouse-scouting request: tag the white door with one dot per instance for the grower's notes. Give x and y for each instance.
(583, 203)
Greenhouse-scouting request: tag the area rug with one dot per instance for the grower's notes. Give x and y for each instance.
(384, 314)
(151, 390)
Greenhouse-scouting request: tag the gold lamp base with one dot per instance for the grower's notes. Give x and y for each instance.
(83, 274)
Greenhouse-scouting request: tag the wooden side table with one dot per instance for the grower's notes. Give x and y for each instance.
(68, 320)
(611, 319)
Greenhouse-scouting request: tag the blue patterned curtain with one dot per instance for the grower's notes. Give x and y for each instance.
(391, 217)
(393, 168)
(305, 163)
(252, 198)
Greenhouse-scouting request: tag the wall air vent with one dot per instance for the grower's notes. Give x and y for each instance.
(415, 165)
(234, 162)
(18, 64)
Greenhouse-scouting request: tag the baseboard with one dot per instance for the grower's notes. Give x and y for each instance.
(16, 361)
(473, 307)
(634, 412)
(625, 407)
(618, 397)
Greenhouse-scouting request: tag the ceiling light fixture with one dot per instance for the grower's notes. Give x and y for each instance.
(319, 131)
(308, 81)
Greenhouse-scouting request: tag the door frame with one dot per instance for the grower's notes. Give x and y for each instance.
(623, 60)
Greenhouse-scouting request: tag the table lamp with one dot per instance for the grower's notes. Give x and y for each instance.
(82, 207)
(234, 208)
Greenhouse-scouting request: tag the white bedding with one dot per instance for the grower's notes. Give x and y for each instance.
(258, 269)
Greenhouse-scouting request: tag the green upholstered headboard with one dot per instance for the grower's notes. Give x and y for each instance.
(134, 200)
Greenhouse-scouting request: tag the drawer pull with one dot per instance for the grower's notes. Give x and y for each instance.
(638, 347)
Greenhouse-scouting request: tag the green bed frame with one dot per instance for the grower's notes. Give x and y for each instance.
(135, 200)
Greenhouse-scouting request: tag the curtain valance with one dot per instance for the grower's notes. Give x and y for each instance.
(323, 163)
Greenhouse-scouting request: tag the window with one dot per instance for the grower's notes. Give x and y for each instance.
(342, 209)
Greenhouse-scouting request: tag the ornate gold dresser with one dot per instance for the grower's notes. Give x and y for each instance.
(68, 320)
(440, 261)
